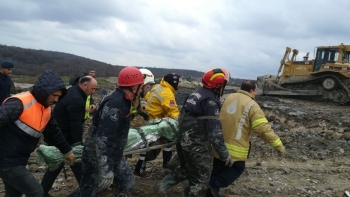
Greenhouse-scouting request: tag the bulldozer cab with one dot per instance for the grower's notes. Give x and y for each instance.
(330, 55)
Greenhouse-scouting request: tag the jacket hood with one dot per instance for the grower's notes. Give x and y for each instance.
(74, 80)
(166, 84)
(48, 83)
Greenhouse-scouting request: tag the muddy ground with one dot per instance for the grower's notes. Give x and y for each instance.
(316, 163)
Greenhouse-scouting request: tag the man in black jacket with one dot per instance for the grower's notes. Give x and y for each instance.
(23, 117)
(5, 79)
(69, 114)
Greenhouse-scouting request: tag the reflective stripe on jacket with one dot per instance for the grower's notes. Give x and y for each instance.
(240, 116)
(160, 101)
(35, 116)
(87, 105)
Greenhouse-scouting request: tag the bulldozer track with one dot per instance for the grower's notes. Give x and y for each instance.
(314, 80)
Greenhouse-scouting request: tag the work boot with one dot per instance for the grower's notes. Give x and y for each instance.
(142, 174)
(346, 194)
(122, 195)
(173, 163)
(163, 186)
(213, 191)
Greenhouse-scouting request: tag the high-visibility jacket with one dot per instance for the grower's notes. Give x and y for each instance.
(160, 101)
(240, 116)
(87, 105)
(24, 117)
(35, 116)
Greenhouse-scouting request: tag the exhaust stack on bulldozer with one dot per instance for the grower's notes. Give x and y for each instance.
(324, 78)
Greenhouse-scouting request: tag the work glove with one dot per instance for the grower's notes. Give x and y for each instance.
(70, 157)
(229, 162)
(106, 181)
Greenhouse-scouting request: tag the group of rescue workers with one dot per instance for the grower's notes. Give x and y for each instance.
(212, 146)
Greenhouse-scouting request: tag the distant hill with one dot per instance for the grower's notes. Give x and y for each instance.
(32, 62)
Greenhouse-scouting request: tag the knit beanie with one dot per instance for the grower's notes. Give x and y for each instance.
(7, 64)
(172, 79)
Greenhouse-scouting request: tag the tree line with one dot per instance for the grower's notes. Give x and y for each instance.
(31, 62)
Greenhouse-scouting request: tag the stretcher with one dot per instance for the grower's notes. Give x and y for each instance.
(139, 140)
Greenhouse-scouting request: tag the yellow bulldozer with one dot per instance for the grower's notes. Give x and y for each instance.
(324, 78)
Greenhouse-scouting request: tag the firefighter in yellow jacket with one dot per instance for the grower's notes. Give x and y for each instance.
(240, 116)
(161, 103)
(160, 100)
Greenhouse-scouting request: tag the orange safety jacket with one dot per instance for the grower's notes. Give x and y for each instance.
(34, 117)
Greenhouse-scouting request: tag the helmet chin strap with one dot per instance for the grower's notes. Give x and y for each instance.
(138, 88)
(222, 89)
(219, 91)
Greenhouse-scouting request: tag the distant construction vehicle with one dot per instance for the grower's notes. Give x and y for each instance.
(325, 78)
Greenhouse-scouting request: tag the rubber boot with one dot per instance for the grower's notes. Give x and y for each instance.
(140, 166)
(163, 186)
(167, 157)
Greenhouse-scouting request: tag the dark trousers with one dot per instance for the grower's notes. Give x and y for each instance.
(141, 162)
(50, 176)
(222, 176)
(88, 186)
(18, 180)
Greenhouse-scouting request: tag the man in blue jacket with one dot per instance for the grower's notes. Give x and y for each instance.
(69, 114)
(23, 118)
(5, 79)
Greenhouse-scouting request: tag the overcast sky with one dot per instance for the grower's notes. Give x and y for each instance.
(244, 36)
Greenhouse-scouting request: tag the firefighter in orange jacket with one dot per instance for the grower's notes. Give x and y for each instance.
(240, 116)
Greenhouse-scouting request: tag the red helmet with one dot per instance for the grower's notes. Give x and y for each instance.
(227, 75)
(130, 76)
(215, 78)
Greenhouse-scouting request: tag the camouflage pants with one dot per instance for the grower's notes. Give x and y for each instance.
(196, 165)
(123, 177)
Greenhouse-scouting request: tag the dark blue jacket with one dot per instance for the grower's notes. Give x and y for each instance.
(108, 133)
(203, 102)
(5, 86)
(16, 145)
(69, 114)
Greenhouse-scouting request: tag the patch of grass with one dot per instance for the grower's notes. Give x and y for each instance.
(24, 79)
(102, 81)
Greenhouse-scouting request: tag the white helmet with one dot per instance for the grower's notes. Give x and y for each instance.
(148, 75)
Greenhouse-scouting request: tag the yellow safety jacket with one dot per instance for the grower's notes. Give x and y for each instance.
(160, 101)
(87, 105)
(240, 116)
(34, 117)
